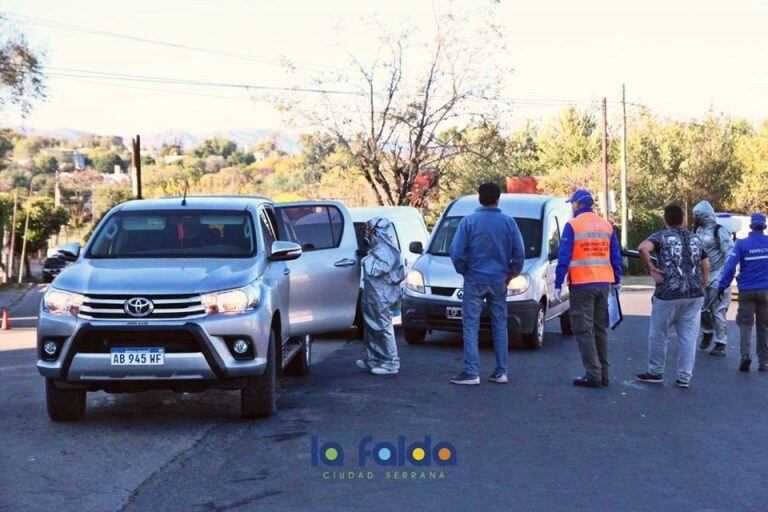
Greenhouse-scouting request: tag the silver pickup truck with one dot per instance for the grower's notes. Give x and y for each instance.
(189, 294)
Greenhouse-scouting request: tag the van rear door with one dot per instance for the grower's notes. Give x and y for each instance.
(325, 280)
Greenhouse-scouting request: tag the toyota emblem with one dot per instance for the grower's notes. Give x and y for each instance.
(138, 307)
(460, 294)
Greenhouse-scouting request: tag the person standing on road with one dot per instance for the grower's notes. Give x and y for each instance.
(681, 276)
(590, 256)
(717, 243)
(751, 255)
(383, 272)
(488, 251)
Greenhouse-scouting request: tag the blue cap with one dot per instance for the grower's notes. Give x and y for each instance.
(581, 196)
(757, 221)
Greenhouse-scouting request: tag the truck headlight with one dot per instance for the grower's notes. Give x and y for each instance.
(518, 285)
(232, 301)
(59, 302)
(415, 282)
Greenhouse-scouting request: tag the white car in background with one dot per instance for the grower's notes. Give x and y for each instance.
(409, 227)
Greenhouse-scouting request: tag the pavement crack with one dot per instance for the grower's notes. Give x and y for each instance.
(179, 456)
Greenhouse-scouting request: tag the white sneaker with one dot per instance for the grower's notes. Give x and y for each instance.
(499, 378)
(378, 370)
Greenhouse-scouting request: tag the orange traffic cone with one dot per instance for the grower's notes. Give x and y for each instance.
(6, 321)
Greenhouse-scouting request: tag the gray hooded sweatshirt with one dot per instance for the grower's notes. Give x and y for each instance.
(717, 249)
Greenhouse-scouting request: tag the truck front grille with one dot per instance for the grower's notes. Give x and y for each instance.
(165, 307)
(100, 341)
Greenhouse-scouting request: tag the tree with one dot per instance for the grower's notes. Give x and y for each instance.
(46, 164)
(107, 195)
(45, 220)
(216, 146)
(751, 193)
(21, 70)
(105, 163)
(405, 97)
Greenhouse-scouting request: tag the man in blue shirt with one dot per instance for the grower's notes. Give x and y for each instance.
(488, 251)
(751, 255)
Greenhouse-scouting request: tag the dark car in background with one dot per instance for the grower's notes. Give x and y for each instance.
(53, 265)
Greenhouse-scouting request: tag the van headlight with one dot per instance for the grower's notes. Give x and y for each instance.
(518, 285)
(238, 300)
(59, 302)
(415, 282)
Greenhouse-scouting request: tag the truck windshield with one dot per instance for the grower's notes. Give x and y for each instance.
(529, 228)
(175, 234)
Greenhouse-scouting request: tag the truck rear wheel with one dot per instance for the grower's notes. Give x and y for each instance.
(415, 336)
(258, 399)
(64, 404)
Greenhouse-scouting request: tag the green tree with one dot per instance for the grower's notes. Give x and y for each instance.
(105, 163)
(218, 146)
(45, 220)
(21, 71)
(46, 164)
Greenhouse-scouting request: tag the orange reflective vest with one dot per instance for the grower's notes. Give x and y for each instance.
(591, 259)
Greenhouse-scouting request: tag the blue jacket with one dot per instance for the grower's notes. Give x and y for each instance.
(751, 254)
(566, 253)
(488, 247)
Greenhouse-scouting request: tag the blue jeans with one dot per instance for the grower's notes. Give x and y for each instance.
(472, 307)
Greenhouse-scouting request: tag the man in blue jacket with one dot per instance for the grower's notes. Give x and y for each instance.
(488, 251)
(751, 255)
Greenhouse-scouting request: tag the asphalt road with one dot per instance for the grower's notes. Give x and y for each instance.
(536, 444)
(24, 313)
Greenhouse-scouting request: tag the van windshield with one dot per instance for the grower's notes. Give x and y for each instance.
(530, 229)
(175, 234)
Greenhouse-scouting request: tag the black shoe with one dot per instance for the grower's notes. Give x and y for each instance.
(682, 384)
(706, 340)
(651, 378)
(466, 379)
(586, 382)
(745, 364)
(719, 350)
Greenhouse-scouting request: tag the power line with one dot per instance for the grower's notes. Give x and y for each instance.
(169, 44)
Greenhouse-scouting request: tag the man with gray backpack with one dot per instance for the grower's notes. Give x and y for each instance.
(716, 241)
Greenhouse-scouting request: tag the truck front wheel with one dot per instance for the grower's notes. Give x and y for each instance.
(258, 399)
(64, 404)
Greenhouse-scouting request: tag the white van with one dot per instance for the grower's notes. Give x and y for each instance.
(434, 290)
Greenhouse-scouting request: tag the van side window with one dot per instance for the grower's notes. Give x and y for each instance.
(313, 227)
(554, 236)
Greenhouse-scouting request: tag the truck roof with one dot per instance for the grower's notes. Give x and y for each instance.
(365, 213)
(194, 202)
(518, 205)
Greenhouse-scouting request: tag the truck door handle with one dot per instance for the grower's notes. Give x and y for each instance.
(287, 272)
(346, 262)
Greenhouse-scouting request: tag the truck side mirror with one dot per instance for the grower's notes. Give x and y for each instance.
(69, 252)
(416, 247)
(284, 251)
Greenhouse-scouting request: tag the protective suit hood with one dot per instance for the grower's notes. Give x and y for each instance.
(704, 214)
(383, 259)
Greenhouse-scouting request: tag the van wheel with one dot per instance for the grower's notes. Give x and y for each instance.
(565, 323)
(258, 399)
(415, 336)
(300, 364)
(64, 404)
(535, 340)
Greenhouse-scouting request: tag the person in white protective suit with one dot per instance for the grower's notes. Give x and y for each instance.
(383, 272)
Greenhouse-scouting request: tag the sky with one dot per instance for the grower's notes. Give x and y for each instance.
(678, 57)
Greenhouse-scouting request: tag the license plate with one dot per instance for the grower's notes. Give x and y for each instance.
(150, 356)
(453, 312)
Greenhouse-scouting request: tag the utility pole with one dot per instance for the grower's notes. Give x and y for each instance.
(24, 243)
(9, 267)
(624, 205)
(604, 122)
(136, 164)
